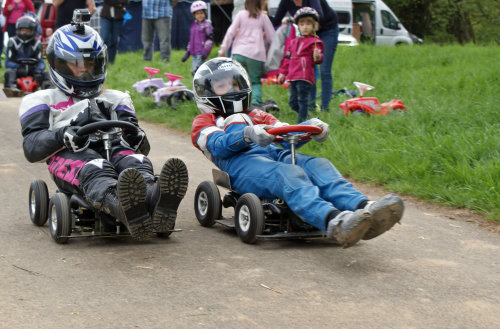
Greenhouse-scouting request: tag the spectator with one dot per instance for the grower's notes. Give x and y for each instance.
(328, 33)
(156, 17)
(201, 36)
(65, 10)
(181, 20)
(251, 29)
(301, 54)
(2, 24)
(111, 24)
(13, 10)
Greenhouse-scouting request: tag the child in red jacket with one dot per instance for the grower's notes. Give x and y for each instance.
(301, 54)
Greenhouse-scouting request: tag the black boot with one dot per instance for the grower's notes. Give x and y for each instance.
(131, 192)
(167, 194)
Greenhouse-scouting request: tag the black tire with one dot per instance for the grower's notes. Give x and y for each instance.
(38, 202)
(249, 217)
(148, 91)
(60, 219)
(207, 203)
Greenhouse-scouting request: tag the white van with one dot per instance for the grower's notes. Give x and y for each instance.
(374, 21)
(365, 21)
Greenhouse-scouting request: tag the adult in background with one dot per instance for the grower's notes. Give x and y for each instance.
(156, 17)
(111, 24)
(328, 33)
(181, 22)
(65, 10)
(13, 10)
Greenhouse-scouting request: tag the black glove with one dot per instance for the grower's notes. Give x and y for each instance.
(73, 142)
(133, 140)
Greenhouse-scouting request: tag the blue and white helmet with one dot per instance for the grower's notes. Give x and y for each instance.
(77, 60)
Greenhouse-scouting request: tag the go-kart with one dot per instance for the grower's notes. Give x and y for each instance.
(27, 84)
(69, 213)
(255, 218)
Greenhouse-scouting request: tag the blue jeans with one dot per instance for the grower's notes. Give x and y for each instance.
(196, 62)
(299, 98)
(330, 40)
(312, 188)
(110, 32)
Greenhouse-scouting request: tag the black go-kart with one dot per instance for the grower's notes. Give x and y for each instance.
(254, 218)
(70, 215)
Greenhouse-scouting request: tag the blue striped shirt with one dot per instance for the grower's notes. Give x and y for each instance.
(153, 9)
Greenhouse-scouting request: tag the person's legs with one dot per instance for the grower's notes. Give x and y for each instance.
(147, 36)
(112, 34)
(302, 90)
(162, 27)
(254, 69)
(330, 39)
(196, 62)
(105, 32)
(292, 100)
(257, 172)
(10, 78)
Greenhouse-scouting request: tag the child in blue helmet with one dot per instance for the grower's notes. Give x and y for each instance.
(123, 186)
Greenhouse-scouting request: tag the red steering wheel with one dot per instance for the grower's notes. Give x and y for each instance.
(284, 133)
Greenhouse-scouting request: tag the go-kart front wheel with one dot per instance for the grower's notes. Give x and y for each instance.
(249, 217)
(39, 202)
(207, 203)
(59, 218)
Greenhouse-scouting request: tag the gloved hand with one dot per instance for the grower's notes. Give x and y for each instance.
(186, 56)
(258, 135)
(73, 142)
(321, 137)
(133, 140)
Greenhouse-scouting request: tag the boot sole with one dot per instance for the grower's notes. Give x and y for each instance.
(355, 234)
(173, 184)
(388, 212)
(131, 190)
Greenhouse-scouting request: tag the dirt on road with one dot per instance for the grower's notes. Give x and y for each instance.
(439, 269)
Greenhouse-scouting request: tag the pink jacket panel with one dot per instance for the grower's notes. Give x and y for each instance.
(298, 62)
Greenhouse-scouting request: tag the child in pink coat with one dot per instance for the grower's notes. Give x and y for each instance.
(301, 54)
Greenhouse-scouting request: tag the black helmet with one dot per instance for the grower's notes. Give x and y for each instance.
(78, 60)
(26, 22)
(235, 99)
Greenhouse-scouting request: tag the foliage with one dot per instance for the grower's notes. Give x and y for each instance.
(447, 21)
(443, 149)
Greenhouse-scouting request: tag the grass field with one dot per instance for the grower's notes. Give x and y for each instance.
(444, 149)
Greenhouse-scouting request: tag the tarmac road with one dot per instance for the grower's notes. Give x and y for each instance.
(429, 272)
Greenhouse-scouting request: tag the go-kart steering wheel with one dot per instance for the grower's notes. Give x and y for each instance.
(106, 125)
(294, 133)
(103, 130)
(29, 61)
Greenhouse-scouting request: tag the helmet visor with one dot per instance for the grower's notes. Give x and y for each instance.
(81, 68)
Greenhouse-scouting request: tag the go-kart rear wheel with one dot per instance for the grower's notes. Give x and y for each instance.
(39, 202)
(207, 203)
(249, 217)
(59, 218)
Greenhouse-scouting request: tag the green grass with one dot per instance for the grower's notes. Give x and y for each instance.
(444, 149)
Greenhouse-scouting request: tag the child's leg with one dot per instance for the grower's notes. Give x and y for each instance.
(303, 91)
(196, 62)
(292, 101)
(254, 69)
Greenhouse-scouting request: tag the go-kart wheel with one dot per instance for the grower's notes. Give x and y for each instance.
(59, 218)
(249, 217)
(207, 203)
(39, 202)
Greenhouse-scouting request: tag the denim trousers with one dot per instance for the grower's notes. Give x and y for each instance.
(110, 33)
(162, 28)
(330, 40)
(299, 98)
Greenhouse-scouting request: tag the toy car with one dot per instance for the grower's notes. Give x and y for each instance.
(150, 85)
(69, 213)
(27, 84)
(255, 218)
(173, 93)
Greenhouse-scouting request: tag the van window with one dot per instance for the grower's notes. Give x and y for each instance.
(389, 21)
(344, 17)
